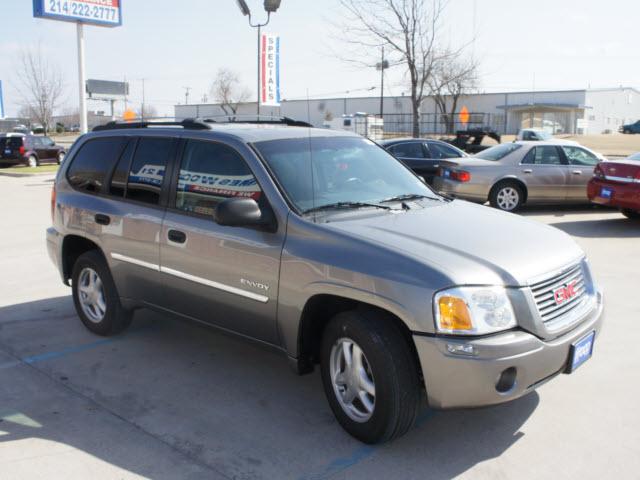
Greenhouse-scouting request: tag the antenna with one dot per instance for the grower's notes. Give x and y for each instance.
(186, 95)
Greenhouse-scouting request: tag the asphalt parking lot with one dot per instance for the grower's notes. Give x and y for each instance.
(173, 400)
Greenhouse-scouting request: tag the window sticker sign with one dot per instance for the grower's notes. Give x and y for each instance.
(270, 70)
(106, 13)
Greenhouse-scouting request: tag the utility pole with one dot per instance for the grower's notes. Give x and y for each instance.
(186, 95)
(382, 66)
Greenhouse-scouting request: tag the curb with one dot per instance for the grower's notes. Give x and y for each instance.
(21, 175)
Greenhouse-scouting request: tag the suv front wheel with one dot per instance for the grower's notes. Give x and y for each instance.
(95, 296)
(369, 375)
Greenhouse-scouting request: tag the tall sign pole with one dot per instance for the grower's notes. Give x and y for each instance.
(82, 79)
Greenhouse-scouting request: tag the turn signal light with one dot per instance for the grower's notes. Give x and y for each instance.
(454, 314)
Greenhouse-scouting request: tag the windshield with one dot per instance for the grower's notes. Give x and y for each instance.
(498, 152)
(319, 171)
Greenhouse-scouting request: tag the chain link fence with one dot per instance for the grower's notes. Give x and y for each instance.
(401, 124)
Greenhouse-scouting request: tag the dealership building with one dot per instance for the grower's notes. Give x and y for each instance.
(588, 111)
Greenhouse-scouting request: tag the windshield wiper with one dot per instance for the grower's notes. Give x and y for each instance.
(346, 205)
(408, 196)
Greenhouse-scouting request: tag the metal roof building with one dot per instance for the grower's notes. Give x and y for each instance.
(587, 111)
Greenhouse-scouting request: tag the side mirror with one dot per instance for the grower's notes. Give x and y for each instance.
(238, 212)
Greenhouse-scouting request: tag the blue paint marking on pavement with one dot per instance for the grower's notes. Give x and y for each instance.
(366, 451)
(66, 351)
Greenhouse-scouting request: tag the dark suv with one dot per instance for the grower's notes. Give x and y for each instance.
(631, 128)
(30, 150)
(322, 245)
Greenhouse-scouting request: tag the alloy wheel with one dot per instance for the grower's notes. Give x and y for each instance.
(352, 380)
(508, 198)
(91, 295)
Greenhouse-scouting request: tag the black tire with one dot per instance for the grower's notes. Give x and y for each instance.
(398, 388)
(115, 318)
(632, 214)
(504, 188)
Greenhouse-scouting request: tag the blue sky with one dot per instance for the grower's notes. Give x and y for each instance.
(521, 45)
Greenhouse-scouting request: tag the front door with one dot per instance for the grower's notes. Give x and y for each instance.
(580, 167)
(226, 276)
(543, 170)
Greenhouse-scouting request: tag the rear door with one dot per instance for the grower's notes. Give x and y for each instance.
(49, 147)
(543, 170)
(579, 170)
(124, 176)
(415, 156)
(39, 147)
(226, 276)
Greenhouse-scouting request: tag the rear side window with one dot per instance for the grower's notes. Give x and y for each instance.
(546, 155)
(440, 151)
(407, 150)
(148, 168)
(10, 142)
(209, 173)
(120, 176)
(93, 162)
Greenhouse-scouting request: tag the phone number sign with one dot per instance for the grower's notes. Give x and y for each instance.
(106, 13)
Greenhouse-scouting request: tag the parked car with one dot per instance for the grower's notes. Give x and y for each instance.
(30, 150)
(323, 246)
(422, 156)
(617, 184)
(540, 135)
(512, 174)
(631, 128)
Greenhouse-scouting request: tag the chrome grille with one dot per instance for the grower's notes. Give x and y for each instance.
(544, 293)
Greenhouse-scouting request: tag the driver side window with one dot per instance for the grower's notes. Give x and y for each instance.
(210, 173)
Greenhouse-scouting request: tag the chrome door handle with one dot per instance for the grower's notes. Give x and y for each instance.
(527, 170)
(577, 172)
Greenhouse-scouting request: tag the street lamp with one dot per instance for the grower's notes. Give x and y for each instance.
(270, 6)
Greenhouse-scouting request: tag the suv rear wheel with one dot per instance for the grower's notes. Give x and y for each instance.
(369, 375)
(60, 158)
(507, 196)
(33, 161)
(95, 296)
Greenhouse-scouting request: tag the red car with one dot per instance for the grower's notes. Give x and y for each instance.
(617, 184)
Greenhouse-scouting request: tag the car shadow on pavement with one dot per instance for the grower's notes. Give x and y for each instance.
(617, 227)
(168, 396)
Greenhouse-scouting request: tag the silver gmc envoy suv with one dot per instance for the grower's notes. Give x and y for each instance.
(321, 244)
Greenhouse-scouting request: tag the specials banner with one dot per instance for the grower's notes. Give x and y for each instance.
(270, 70)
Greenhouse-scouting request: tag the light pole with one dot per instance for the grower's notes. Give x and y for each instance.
(270, 6)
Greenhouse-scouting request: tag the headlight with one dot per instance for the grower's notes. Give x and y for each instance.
(473, 310)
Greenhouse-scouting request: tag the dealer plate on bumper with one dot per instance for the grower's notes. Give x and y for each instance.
(580, 352)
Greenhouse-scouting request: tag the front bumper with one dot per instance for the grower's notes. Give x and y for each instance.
(457, 381)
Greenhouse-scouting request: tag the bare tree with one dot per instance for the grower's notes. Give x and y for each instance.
(451, 79)
(41, 86)
(228, 92)
(408, 29)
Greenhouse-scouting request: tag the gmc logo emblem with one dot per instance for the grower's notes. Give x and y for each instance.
(565, 293)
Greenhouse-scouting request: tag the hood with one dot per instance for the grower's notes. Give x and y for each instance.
(468, 243)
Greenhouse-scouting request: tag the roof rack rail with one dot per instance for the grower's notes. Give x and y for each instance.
(188, 124)
(256, 119)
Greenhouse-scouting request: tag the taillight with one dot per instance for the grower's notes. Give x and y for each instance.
(462, 176)
(21, 150)
(53, 202)
(598, 172)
